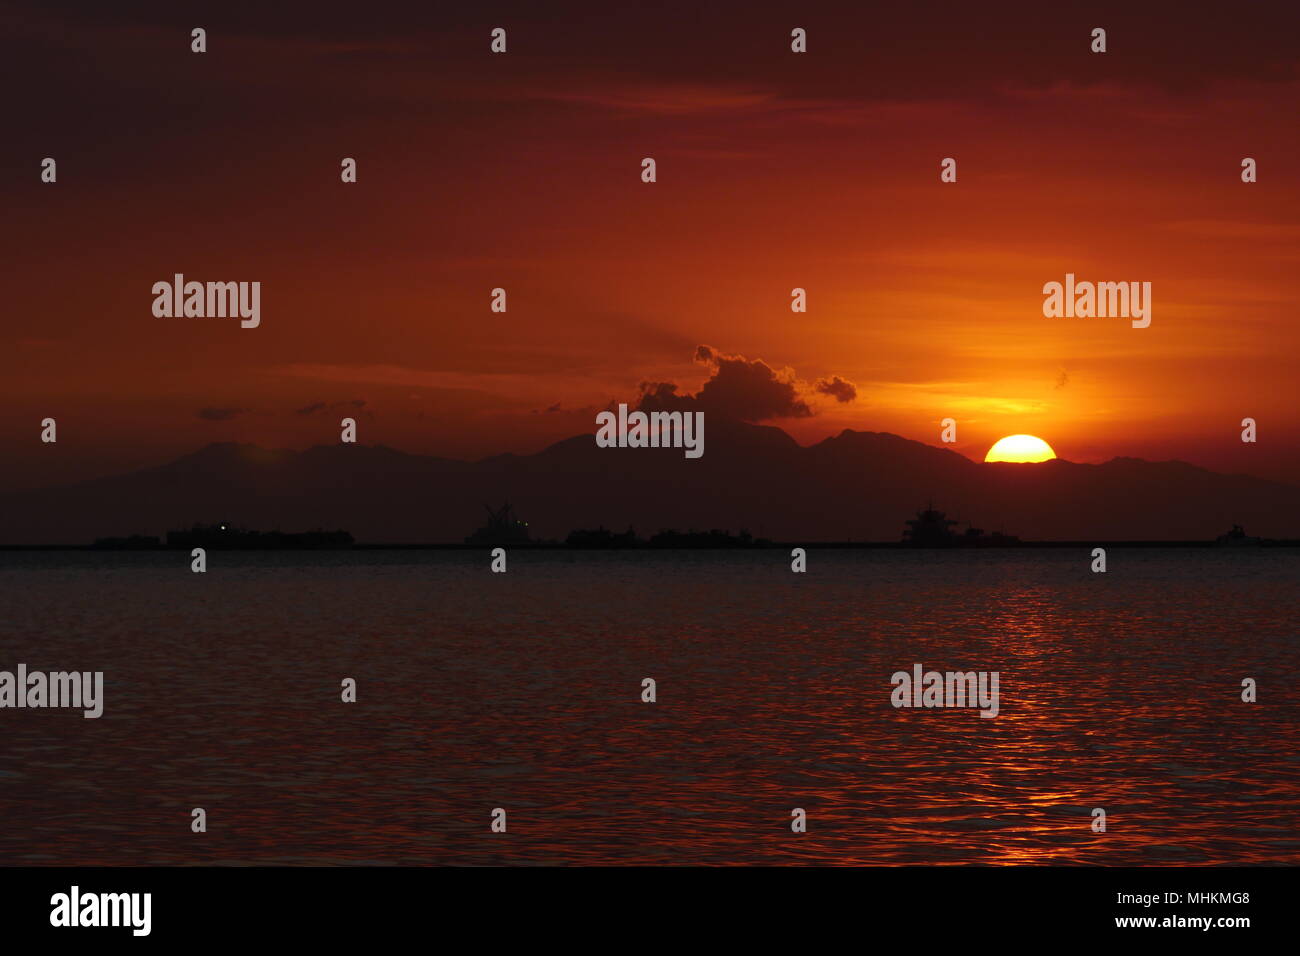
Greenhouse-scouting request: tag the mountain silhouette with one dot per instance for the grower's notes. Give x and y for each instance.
(855, 485)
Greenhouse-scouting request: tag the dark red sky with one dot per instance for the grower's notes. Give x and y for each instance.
(775, 170)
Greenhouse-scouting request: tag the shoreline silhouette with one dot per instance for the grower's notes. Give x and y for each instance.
(855, 489)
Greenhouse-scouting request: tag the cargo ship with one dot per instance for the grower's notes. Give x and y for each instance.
(1237, 538)
(934, 529)
(503, 528)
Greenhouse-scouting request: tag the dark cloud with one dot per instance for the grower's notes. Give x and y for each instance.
(315, 407)
(840, 389)
(219, 414)
(741, 388)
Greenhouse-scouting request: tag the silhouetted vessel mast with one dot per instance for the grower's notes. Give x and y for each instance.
(502, 528)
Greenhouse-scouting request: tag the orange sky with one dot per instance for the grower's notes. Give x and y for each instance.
(775, 170)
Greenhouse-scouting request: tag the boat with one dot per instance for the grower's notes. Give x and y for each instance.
(934, 529)
(1236, 538)
(503, 528)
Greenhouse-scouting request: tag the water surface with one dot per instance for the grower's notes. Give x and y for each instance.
(522, 691)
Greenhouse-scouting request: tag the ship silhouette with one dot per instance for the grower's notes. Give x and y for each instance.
(1236, 538)
(503, 528)
(934, 529)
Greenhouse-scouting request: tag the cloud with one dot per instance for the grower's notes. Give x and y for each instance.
(841, 389)
(315, 407)
(663, 98)
(740, 388)
(219, 414)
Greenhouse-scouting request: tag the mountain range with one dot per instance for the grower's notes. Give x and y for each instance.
(853, 486)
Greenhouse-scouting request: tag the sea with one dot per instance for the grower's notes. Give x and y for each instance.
(519, 698)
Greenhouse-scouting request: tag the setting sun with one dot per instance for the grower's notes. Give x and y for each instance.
(1020, 448)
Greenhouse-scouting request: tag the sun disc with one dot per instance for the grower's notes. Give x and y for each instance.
(1020, 448)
